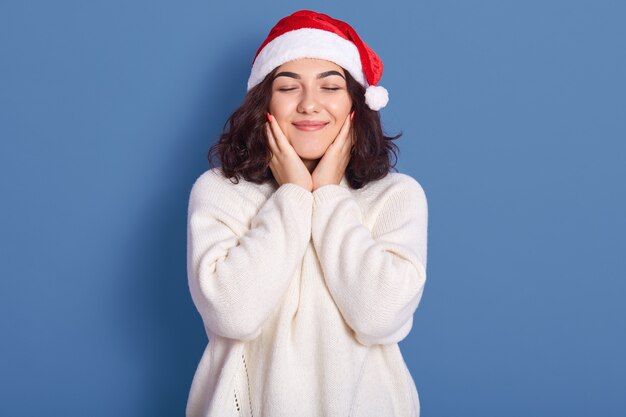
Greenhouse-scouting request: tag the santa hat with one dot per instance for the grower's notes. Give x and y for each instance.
(308, 34)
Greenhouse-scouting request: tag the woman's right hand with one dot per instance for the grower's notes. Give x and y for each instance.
(286, 164)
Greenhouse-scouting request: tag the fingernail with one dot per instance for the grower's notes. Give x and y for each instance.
(351, 115)
(269, 116)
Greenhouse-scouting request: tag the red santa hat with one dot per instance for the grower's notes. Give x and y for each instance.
(308, 34)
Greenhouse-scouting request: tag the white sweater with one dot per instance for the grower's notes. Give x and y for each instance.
(304, 296)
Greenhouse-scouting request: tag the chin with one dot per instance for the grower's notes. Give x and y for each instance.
(309, 154)
(310, 150)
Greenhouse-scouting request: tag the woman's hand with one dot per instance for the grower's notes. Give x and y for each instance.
(286, 164)
(332, 167)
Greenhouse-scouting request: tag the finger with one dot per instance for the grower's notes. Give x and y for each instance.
(350, 142)
(345, 129)
(340, 139)
(270, 138)
(281, 139)
(273, 150)
(344, 136)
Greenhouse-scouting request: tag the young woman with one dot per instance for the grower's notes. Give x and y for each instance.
(306, 254)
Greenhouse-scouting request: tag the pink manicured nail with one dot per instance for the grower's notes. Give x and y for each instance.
(269, 116)
(351, 115)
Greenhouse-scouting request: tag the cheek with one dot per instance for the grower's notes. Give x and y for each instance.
(273, 106)
(340, 106)
(281, 104)
(280, 112)
(281, 109)
(332, 133)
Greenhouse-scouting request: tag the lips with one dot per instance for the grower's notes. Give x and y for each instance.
(309, 125)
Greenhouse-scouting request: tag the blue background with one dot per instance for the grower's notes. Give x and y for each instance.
(513, 117)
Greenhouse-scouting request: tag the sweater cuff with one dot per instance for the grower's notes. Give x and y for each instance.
(329, 193)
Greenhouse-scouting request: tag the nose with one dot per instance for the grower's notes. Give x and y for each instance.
(309, 101)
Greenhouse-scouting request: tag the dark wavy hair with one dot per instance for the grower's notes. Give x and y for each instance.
(243, 148)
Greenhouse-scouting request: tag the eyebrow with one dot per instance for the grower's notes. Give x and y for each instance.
(297, 77)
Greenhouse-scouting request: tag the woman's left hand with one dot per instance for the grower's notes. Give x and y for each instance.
(332, 167)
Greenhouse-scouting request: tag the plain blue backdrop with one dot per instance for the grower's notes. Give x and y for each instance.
(513, 116)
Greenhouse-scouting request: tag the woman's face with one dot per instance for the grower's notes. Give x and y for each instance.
(312, 90)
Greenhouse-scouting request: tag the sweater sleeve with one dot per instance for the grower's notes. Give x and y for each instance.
(238, 269)
(375, 277)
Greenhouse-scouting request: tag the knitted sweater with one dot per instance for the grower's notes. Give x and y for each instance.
(304, 296)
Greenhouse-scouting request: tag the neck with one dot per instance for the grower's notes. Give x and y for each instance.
(310, 164)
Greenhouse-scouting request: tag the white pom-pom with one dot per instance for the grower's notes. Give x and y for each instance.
(376, 97)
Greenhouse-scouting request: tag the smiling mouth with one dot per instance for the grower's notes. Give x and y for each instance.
(310, 127)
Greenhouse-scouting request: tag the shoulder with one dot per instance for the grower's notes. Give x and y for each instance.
(213, 185)
(209, 182)
(210, 177)
(407, 181)
(397, 185)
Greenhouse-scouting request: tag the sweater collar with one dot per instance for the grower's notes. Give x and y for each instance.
(270, 186)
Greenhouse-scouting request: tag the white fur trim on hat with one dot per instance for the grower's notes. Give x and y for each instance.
(376, 97)
(307, 43)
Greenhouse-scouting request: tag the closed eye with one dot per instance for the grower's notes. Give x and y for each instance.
(324, 88)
